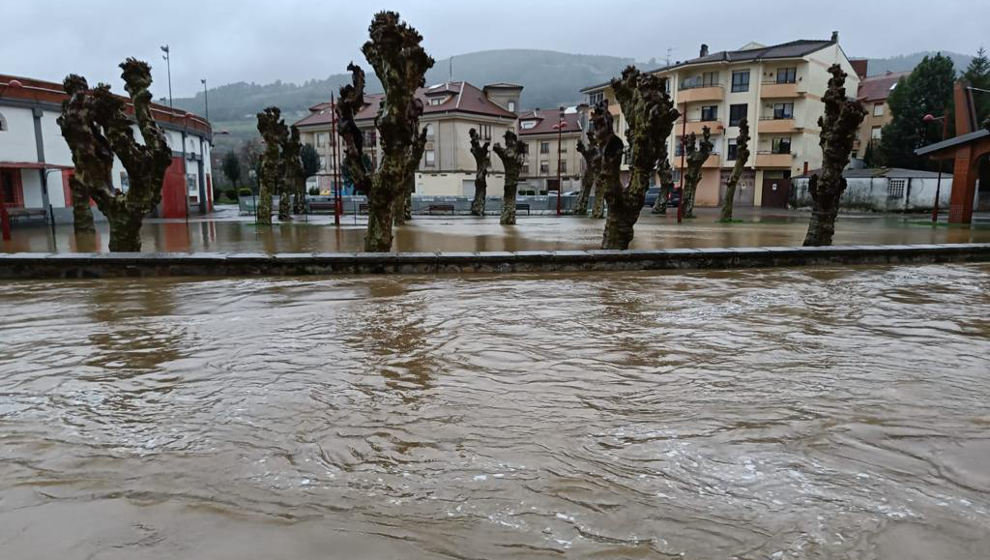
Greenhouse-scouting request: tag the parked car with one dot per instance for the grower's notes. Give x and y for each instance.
(673, 199)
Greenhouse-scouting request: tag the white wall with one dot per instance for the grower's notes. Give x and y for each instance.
(17, 139)
(873, 193)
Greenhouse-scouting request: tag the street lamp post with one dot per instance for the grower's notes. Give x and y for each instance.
(206, 99)
(168, 65)
(560, 126)
(938, 184)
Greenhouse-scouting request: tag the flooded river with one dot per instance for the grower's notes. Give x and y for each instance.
(815, 413)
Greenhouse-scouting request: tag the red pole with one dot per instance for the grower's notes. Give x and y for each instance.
(680, 205)
(560, 133)
(5, 220)
(333, 151)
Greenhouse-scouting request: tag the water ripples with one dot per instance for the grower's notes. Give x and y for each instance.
(815, 413)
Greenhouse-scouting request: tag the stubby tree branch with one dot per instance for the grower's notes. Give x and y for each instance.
(591, 165)
(513, 157)
(742, 155)
(482, 161)
(697, 154)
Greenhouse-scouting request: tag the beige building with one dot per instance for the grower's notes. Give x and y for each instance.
(777, 88)
(873, 93)
(451, 109)
(539, 129)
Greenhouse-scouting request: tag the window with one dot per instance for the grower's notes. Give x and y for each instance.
(781, 145)
(596, 98)
(485, 131)
(895, 188)
(786, 75)
(3, 123)
(675, 175)
(544, 167)
(878, 109)
(563, 166)
(512, 106)
(679, 147)
(875, 133)
(783, 111)
(526, 125)
(429, 131)
(10, 185)
(436, 101)
(709, 79)
(733, 150)
(544, 147)
(709, 113)
(323, 163)
(740, 80)
(370, 138)
(430, 158)
(321, 139)
(737, 113)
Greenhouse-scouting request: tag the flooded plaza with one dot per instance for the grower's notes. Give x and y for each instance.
(820, 413)
(227, 232)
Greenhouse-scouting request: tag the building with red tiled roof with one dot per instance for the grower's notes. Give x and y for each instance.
(539, 129)
(873, 92)
(450, 110)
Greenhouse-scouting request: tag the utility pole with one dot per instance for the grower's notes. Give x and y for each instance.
(168, 65)
(337, 207)
(206, 99)
(560, 133)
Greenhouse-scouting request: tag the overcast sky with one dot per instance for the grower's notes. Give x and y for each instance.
(295, 40)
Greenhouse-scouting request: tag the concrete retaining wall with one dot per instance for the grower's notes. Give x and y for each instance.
(78, 265)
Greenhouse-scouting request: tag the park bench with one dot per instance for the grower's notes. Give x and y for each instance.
(522, 206)
(26, 213)
(441, 208)
(321, 205)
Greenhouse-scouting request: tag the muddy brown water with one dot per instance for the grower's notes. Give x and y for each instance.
(817, 413)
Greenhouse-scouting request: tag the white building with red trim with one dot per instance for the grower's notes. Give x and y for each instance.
(36, 164)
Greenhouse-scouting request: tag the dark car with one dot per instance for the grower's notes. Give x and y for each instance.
(673, 199)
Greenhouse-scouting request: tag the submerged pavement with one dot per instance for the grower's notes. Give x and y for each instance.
(227, 232)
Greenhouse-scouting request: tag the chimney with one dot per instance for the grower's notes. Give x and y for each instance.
(835, 36)
(704, 50)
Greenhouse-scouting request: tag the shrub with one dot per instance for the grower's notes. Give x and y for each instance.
(244, 192)
(315, 191)
(231, 194)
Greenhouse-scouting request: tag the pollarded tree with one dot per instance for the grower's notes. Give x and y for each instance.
(513, 157)
(145, 162)
(482, 162)
(838, 130)
(91, 153)
(696, 154)
(650, 116)
(294, 177)
(742, 154)
(665, 175)
(232, 168)
(591, 161)
(274, 133)
(400, 62)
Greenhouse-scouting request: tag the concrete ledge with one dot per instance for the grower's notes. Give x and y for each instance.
(99, 265)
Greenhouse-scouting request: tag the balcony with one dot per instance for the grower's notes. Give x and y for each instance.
(689, 93)
(770, 159)
(771, 125)
(772, 89)
(713, 161)
(696, 127)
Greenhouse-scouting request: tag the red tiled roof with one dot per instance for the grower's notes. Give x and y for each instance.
(464, 98)
(546, 120)
(877, 88)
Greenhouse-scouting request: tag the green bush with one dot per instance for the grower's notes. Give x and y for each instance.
(231, 194)
(244, 192)
(315, 191)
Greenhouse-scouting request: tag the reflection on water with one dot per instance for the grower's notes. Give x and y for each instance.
(229, 233)
(815, 414)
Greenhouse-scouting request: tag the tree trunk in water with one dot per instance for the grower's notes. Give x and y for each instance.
(589, 154)
(378, 238)
(651, 115)
(697, 154)
(402, 211)
(125, 232)
(82, 214)
(838, 131)
(482, 161)
(285, 203)
(598, 208)
(666, 178)
(513, 156)
(742, 154)
(275, 135)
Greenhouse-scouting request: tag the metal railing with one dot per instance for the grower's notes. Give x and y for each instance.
(693, 85)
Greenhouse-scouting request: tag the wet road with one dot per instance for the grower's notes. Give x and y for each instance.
(227, 232)
(814, 414)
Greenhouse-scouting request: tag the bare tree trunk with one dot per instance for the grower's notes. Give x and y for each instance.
(697, 154)
(275, 134)
(482, 161)
(91, 153)
(666, 178)
(651, 115)
(839, 124)
(591, 164)
(598, 208)
(513, 156)
(400, 62)
(110, 132)
(742, 155)
(82, 214)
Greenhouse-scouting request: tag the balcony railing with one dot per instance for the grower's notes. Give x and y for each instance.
(770, 81)
(780, 117)
(696, 85)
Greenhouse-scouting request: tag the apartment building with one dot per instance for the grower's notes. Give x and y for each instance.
(873, 93)
(777, 88)
(544, 131)
(451, 109)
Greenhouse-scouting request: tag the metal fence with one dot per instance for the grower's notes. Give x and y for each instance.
(425, 204)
